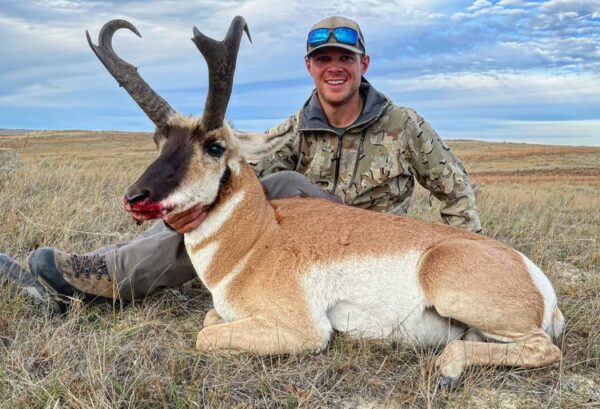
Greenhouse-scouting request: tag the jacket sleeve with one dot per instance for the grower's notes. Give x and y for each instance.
(438, 170)
(287, 157)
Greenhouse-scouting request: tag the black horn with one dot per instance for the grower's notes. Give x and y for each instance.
(157, 109)
(220, 57)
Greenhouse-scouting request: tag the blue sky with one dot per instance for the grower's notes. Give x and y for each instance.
(492, 70)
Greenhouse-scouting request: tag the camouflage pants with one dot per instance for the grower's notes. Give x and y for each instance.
(157, 258)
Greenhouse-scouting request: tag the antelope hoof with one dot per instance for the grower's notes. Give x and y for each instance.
(448, 383)
(451, 362)
(205, 343)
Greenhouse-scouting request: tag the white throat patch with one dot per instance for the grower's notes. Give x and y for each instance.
(214, 220)
(203, 258)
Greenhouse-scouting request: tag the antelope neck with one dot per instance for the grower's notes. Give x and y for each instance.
(238, 219)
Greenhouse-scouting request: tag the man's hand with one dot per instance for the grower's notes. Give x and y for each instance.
(187, 221)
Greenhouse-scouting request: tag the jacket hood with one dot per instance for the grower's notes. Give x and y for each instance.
(312, 116)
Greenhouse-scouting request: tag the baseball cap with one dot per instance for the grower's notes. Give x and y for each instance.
(335, 31)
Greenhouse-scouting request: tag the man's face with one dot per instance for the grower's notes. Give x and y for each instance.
(337, 73)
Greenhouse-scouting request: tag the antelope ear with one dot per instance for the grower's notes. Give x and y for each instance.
(254, 146)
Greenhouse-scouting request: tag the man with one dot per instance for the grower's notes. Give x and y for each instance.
(348, 143)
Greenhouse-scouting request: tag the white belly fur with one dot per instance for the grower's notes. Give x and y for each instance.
(375, 297)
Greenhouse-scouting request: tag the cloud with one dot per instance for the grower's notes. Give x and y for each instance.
(479, 4)
(496, 89)
(518, 3)
(579, 6)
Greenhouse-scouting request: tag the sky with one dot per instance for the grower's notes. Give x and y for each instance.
(511, 70)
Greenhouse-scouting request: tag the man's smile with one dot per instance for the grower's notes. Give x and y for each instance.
(336, 83)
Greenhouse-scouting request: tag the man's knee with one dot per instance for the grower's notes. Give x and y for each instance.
(285, 184)
(288, 183)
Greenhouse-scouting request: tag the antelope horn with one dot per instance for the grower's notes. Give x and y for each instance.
(156, 108)
(220, 57)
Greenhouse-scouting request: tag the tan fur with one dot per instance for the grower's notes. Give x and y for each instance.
(212, 317)
(237, 229)
(253, 334)
(511, 299)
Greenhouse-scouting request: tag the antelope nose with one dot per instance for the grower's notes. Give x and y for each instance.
(133, 196)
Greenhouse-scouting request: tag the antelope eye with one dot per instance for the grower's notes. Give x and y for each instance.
(215, 150)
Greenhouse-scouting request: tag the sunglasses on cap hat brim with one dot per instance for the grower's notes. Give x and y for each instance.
(342, 35)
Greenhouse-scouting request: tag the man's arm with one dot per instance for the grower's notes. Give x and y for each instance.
(437, 169)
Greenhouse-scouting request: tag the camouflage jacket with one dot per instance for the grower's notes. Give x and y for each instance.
(374, 164)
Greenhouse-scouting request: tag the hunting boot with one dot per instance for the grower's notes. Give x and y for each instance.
(153, 260)
(46, 296)
(71, 274)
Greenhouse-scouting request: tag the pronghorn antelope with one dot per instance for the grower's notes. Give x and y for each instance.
(285, 274)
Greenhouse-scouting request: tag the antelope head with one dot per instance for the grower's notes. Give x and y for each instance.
(196, 155)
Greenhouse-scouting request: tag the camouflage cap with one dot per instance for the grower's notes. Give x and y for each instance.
(336, 22)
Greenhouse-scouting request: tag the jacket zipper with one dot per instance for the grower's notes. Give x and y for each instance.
(337, 159)
(300, 154)
(339, 149)
(359, 152)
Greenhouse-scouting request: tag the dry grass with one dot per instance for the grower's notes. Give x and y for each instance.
(67, 194)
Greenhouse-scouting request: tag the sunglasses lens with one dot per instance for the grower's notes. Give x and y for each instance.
(346, 35)
(318, 36)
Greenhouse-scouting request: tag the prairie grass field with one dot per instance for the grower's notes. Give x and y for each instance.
(66, 190)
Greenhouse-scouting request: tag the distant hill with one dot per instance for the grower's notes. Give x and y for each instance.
(7, 132)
